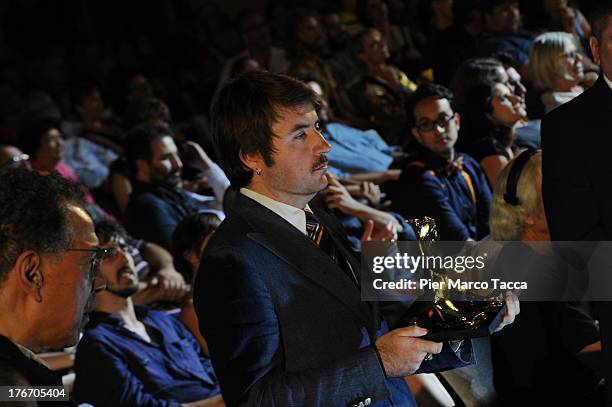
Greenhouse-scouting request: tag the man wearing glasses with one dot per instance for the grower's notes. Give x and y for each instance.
(11, 156)
(48, 263)
(439, 181)
(147, 357)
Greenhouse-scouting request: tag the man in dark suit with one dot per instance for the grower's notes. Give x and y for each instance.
(282, 314)
(577, 178)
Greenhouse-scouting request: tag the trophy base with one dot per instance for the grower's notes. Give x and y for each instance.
(443, 325)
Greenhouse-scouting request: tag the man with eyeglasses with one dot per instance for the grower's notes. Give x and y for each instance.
(11, 156)
(147, 357)
(439, 181)
(48, 265)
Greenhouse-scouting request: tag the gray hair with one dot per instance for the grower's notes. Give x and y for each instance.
(507, 222)
(546, 62)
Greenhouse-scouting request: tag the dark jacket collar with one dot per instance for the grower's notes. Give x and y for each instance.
(12, 360)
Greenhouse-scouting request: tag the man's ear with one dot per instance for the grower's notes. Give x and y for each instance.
(252, 160)
(594, 44)
(29, 274)
(458, 120)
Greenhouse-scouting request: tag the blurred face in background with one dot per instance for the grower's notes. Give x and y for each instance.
(437, 126)
(165, 166)
(50, 152)
(504, 18)
(310, 33)
(574, 69)
(507, 108)
(118, 270)
(337, 34)
(374, 49)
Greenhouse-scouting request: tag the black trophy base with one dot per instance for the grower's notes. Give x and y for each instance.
(466, 320)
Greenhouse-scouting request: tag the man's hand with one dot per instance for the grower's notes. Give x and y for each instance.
(513, 308)
(172, 283)
(194, 155)
(338, 197)
(402, 352)
(381, 234)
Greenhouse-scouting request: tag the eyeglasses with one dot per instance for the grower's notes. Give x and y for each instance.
(99, 255)
(570, 54)
(16, 160)
(428, 125)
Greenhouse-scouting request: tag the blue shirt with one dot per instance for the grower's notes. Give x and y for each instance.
(459, 207)
(355, 151)
(117, 367)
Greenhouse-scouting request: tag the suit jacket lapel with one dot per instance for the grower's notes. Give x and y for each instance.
(298, 251)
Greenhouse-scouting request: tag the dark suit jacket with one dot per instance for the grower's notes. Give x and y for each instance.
(577, 184)
(577, 176)
(284, 324)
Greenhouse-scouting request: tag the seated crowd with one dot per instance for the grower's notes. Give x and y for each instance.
(427, 104)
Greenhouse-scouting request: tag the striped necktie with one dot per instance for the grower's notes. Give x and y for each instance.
(320, 236)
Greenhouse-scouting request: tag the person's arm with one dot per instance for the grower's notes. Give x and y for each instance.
(162, 266)
(100, 369)
(195, 155)
(337, 197)
(376, 177)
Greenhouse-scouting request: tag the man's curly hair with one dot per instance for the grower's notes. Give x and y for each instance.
(33, 214)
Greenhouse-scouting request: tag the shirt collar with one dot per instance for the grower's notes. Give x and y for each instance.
(293, 215)
(30, 355)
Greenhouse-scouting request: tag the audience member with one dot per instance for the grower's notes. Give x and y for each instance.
(539, 359)
(379, 95)
(305, 44)
(96, 145)
(158, 202)
(576, 196)
(439, 181)
(42, 140)
(261, 261)
(147, 358)
(556, 68)
(489, 126)
(502, 21)
(49, 261)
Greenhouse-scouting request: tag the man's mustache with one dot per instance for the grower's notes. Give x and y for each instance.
(321, 162)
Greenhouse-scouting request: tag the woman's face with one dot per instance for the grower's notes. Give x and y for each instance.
(574, 70)
(51, 150)
(507, 107)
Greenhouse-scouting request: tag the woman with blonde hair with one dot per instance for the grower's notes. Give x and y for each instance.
(556, 68)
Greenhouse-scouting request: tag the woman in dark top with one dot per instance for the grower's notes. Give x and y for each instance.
(489, 122)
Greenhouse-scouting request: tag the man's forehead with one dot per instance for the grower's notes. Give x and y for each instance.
(82, 226)
(432, 106)
(287, 119)
(163, 144)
